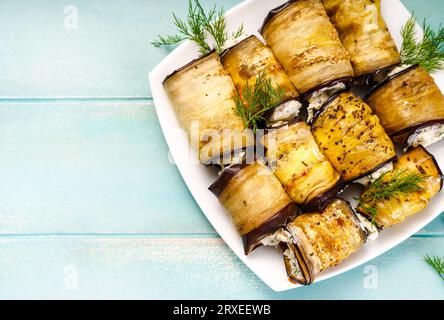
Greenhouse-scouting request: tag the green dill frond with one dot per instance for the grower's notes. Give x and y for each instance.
(252, 102)
(239, 32)
(436, 263)
(428, 52)
(206, 29)
(167, 41)
(401, 182)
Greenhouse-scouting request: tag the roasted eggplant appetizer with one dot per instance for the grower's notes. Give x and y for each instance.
(351, 137)
(202, 94)
(403, 192)
(306, 44)
(410, 107)
(255, 200)
(249, 59)
(296, 160)
(314, 242)
(364, 34)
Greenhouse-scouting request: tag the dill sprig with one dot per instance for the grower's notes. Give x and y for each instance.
(428, 52)
(436, 263)
(401, 182)
(206, 29)
(253, 101)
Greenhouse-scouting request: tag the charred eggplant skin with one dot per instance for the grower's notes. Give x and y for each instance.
(306, 44)
(298, 163)
(255, 200)
(249, 59)
(202, 96)
(406, 101)
(252, 240)
(351, 136)
(394, 210)
(364, 34)
(324, 239)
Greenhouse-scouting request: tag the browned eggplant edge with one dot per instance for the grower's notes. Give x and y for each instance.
(319, 202)
(308, 274)
(221, 183)
(226, 51)
(252, 240)
(273, 12)
(188, 65)
(306, 269)
(434, 161)
(388, 79)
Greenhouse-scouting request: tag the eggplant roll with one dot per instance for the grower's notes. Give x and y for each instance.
(410, 107)
(255, 200)
(306, 44)
(351, 136)
(396, 209)
(364, 34)
(250, 58)
(202, 95)
(321, 240)
(296, 160)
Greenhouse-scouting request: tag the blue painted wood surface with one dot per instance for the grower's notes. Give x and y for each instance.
(91, 206)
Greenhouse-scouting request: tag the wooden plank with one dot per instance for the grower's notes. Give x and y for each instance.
(108, 55)
(138, 267)
(73, 167)
(93, 167)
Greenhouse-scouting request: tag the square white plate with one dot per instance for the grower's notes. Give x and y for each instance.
(266, 262)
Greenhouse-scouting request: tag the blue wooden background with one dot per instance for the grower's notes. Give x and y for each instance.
(91, 206)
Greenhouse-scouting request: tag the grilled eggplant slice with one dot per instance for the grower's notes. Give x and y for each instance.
(202, 95)
(307, 45)
(407, 103)
(364, 34)
(249, 59)
(322, 240)
(296, 160)
(351, 136)
(255, 200)
(395, 209)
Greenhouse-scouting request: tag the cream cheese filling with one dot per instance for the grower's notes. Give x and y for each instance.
(318, 98)
(373, 232)
(426, 136)
(398, 69)
(276, 238)
(367, 180)
(285, 112)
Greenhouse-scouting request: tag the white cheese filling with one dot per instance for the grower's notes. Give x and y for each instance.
(276, 238)
(285, 112)
(318, 98)
(398, 69)
(294, 265)
(373, 232)
(367, 180)
(426, 136)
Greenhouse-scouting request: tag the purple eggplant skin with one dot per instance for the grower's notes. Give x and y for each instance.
(252, 240)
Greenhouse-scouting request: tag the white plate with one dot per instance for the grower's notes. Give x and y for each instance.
(266, 262)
